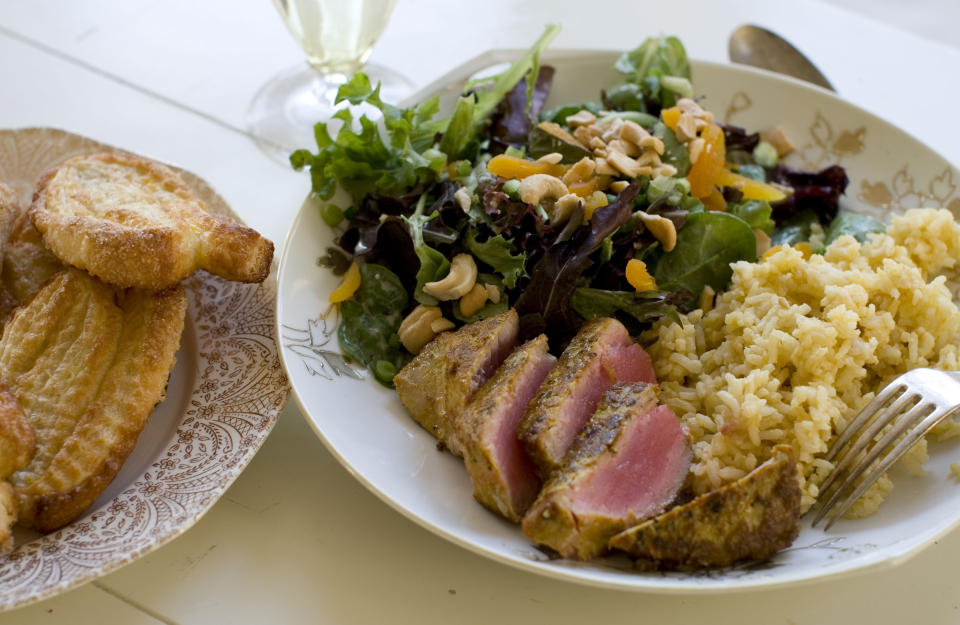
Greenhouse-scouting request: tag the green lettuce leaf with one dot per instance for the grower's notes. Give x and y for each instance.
(795, 229)
(856, 225)
(489, 310)
(501, 84)
(706, 245)
(364, 160)
(369, 322)
(661, 67)
(497, 252)
(674, 152)
(461, 131)
(361, 158)
(468, 120)
(755, 212)
(646, 306)
(540, 143)
(433, 265)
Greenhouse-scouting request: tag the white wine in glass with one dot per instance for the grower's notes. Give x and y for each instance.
(337, 37)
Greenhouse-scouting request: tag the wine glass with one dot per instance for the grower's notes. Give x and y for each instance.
(337, 37)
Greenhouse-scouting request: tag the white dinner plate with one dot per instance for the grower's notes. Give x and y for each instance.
(366, 428)
(223, 398)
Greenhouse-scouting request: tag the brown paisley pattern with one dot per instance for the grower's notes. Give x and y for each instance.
(238, 389)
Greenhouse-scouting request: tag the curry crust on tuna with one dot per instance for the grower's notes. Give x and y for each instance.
(749, 519)
(600, 354)
(626, 465)
(435, 386)
(504, 478)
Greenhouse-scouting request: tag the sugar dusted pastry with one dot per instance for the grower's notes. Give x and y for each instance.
(133, 222)
(111, 353)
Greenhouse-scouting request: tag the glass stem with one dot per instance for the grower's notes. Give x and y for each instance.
(328, 85)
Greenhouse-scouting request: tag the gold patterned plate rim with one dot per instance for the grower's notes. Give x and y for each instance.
(223, 398)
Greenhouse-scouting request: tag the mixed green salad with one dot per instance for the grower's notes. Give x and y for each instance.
(632, 205)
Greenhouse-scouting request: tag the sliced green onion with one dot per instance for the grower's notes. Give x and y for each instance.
(384, 371)
(765, 155)
(512, 188)
(644, 119)
(753, 172)
(332, 214)
(677, 84)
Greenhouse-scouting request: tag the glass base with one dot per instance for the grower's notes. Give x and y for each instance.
(283, 113)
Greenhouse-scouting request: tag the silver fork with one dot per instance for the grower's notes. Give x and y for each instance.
(912, 404)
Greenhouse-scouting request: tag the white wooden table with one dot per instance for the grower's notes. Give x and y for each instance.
(296, 538)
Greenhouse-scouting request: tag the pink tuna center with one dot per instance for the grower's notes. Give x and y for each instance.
(519, 471)
(505, 342)
(626, 362)
(581, 402)
(629, 363)
(643, 475)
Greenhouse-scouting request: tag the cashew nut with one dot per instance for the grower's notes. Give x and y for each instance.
(415, 330)
(583, 117)
(584, 134)
(661, 228)
(604, 168)
(462, 196)
(612, 129)
(665, 169)
(695, 148)
(627, 165)
(473, 301)
(650, 158)
(686, 128)
(778, 138)
(580, 171)
(538, 187)
(493, 293)
(633, 132)
(625, 147)
(653, 142)
(459, 281)
(557, 131)
(441, 325)
(690, 106)
(552, 158)
(561, 210)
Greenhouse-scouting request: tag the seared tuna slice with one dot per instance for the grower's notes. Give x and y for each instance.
(752, 518)
(504, 478)
(436, 385)
(626, 465)
(600, 354)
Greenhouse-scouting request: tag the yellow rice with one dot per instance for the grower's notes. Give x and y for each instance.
(795, 347)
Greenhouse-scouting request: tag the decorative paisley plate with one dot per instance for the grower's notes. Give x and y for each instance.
(366, 428)
(223, 398)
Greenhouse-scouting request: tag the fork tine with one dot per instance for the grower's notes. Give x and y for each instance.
(849, 479)
(882, 398)
(902, 447)
(845, 474)
(888, 414)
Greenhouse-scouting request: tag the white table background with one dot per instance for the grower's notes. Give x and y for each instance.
(296, 539)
